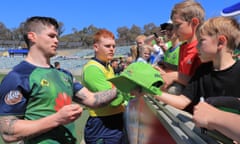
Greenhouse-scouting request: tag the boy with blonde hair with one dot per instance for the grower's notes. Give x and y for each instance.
(217, 78)
(218, 38)
(186, 16)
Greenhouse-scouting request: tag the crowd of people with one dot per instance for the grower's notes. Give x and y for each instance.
(188, 60)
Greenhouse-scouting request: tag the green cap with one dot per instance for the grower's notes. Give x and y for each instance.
(139, 74)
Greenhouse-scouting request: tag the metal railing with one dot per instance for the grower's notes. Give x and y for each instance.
(149, 121)
(182, 120)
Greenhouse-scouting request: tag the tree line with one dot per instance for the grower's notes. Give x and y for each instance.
(78, 38)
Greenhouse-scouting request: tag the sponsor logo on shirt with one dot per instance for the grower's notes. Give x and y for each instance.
(13, 97)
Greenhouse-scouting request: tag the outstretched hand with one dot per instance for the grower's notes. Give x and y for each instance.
(158, 68)
(168, 77)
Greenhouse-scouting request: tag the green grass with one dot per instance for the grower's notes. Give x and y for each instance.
(79, 123)
(1, 76)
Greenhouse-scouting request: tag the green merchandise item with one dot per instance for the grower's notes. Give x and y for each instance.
(139, 74)
(122, 98)
(127, 98)
(118, 101)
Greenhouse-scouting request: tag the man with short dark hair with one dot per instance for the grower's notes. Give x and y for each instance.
(36, 99)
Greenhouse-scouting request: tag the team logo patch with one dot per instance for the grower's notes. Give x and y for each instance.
(13, 97)
(44, 83)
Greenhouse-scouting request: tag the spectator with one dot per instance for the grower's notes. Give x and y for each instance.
(218, 75)
(171, 56)
(133, 52)
(144, 53)
(157, 53)
(129, 60)
(122, 63)
(212, 118)
(186, 16)
(140, 40)
(117, 70)
(58, 67)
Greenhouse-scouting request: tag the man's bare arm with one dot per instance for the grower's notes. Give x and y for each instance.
(7, 128)
(84, 96)
(183, 79)
(13, 129)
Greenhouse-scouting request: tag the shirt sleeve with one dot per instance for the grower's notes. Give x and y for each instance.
(77, 86)
(12, 98)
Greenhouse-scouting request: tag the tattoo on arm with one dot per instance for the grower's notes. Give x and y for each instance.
(7, 125)
(79, 97)
(7, 128)
(103, 98)
(99, 98)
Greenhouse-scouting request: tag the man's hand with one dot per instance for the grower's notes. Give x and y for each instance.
(68, 114)
(160, 42)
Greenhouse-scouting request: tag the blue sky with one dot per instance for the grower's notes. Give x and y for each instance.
(109, 14)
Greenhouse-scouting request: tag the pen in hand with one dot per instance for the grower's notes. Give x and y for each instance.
(203, 130)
